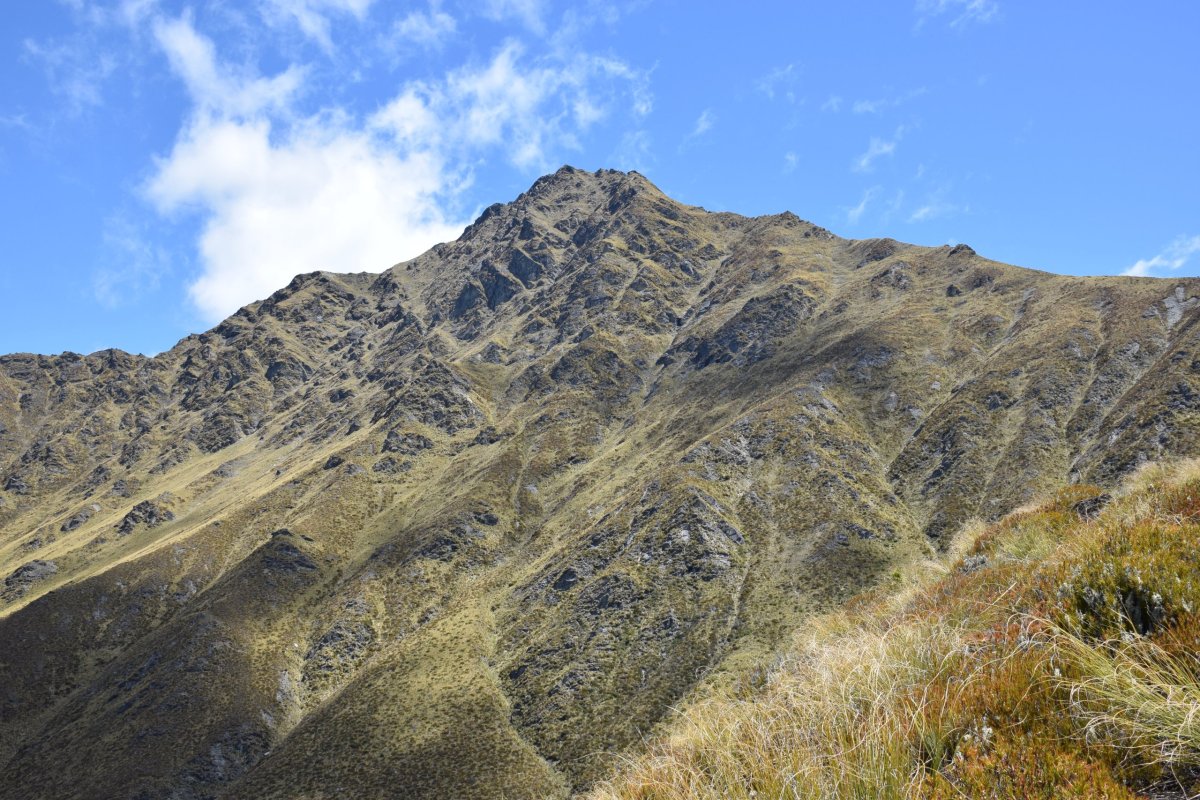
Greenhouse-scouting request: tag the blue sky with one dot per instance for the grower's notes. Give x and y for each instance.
(163, 163)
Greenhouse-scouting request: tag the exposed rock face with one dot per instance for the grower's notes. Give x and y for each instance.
(146, 513)
(408, 444)
(79, 518)
(25, 576)
(470, 527)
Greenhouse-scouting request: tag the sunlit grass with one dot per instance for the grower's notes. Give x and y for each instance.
(1051, 655)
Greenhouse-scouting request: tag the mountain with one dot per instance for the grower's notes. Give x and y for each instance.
(470, 527)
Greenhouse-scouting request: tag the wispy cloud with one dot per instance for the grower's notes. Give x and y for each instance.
(937, 205)
(854, 214)
(77, 70)
(428, 29)
(1173, 258)
(780, 82)
(18, 121)
(313, 16)
(894, 205)
(530, 13)
(883, 104)
(960, 12)
(833, 104)
(79, 66)
(635, 151)
(215, 88)
(132, 264)
(790, 162)
(704, 123)
(876, 149)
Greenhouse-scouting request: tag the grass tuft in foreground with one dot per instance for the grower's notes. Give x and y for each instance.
(1056, 657)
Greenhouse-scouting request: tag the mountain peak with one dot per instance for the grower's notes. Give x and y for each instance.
(534, 485)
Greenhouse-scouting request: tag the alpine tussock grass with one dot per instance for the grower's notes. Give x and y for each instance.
(1052, 654)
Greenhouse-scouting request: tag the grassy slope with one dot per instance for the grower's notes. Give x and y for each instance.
(1055, 658)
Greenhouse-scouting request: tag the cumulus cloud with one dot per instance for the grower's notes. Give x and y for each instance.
(325, 197)
(1173, 258)
(280, 193)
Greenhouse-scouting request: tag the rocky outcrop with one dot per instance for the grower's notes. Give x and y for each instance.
(146, 513)
(23, 577)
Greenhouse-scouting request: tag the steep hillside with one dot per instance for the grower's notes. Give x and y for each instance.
(1053, 656)
(470, 527)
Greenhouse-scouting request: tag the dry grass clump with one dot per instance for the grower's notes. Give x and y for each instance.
(1057, 657)
(835, 719)
(1137, 695)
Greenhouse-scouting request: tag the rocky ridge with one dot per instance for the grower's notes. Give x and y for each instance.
(471, 526)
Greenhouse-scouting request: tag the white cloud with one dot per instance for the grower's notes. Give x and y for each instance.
(962, 12)
(853, 215)
(312, 16)
(1172, 259)
(936, 205)
(790, 162)
(428, 30)
(875, 150)
(704, 122)
(409, 120)
(498, 102)
(638, 84)
(780, 82)
(529, 108)
(280, 193)
(834, 104)
(530, 13)
(325, 197)
(926, 212)
(213, 88)
(134, 12)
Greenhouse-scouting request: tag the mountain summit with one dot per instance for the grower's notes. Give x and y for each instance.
(470, 527)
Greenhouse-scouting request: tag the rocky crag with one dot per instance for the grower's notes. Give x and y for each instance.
(469, 527)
